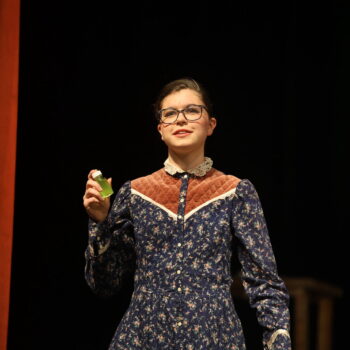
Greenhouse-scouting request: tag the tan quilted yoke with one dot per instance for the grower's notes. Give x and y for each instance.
(164, 189)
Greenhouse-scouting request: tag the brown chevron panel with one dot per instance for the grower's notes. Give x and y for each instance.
(164, 188)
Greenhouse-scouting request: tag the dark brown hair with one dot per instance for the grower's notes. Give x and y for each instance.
(180, 84)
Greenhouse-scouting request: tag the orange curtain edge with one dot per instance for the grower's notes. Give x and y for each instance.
(9, 49)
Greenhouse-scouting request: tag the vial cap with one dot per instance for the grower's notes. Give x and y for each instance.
(96, 173)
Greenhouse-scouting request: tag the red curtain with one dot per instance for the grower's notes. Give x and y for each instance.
(9, 48)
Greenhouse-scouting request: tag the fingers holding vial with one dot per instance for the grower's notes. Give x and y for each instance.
(96, 198)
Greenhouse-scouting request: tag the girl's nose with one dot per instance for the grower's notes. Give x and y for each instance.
(181, 119)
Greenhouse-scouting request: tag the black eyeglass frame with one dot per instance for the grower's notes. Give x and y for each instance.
(181, 111)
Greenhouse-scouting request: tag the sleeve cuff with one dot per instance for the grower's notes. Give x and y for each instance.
(279, 340)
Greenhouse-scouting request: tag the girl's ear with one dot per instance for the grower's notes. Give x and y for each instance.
(212, 125)
(159, 128)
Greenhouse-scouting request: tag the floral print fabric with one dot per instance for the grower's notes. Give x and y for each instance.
(181, 256)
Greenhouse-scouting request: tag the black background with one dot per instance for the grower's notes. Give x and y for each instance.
(278, 75)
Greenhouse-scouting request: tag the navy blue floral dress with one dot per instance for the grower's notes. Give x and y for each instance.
(177, 230)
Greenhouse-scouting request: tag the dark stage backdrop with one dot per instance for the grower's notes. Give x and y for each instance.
(278, 75)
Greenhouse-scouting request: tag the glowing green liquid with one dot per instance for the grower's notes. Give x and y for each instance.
(106, 187)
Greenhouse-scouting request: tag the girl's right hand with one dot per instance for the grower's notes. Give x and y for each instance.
(96, 207)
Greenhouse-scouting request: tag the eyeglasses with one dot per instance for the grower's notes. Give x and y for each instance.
(191, 113)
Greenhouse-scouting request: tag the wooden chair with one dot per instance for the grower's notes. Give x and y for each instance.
(305, 291)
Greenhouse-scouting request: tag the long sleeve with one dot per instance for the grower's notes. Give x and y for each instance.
(110, 254)
(266, 291)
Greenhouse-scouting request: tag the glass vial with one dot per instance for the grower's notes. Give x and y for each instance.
(102, 181)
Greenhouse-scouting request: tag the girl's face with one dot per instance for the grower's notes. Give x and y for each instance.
(186, 136)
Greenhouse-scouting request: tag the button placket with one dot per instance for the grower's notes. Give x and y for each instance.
(180, 227)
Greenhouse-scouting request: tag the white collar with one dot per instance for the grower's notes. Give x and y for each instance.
(199, 170)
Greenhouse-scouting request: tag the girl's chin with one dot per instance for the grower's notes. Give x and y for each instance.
(184, 148)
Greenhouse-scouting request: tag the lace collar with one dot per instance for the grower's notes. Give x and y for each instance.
(199, 170)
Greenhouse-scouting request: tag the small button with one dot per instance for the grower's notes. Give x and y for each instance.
(178, 272)
(180, 216)
(179, 324)
(179, 289)
(182, 199)
(179, 244)
(185, 176)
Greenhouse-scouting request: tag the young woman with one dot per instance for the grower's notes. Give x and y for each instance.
(177, 229)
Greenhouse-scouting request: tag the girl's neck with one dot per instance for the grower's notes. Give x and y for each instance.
(186, 161)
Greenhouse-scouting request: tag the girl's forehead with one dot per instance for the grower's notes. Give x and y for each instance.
(181, 99)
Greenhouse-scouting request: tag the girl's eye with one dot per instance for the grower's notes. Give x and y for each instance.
(192, 110)
(168, 114)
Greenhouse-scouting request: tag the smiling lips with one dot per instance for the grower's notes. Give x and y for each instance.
(182, 132)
